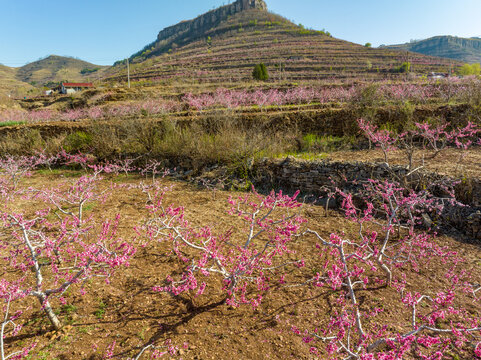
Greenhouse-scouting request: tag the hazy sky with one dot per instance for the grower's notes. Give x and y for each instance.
(103, 31)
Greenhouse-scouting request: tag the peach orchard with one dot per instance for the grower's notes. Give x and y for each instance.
(55, 246)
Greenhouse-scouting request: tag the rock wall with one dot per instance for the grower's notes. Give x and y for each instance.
(210, 18)
(310, 177)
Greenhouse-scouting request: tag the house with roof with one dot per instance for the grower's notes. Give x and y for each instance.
(435, 75)
(71, 88)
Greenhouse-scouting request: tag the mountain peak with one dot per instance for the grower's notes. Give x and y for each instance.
(211, 18)
(193, 29)
(251, 4)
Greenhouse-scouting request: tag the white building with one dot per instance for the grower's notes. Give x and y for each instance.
(71, 88)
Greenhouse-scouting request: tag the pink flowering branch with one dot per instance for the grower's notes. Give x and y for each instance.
(31, 246)
(71, 199)
(158, 351)
(381, 138)
(10, 292)
(38, 244)
(348, 271)
(16, 168)
(270, 228)
(431, 138)
(154, 168)
(352, 263)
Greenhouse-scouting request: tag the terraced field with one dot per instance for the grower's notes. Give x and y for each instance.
(229, 51)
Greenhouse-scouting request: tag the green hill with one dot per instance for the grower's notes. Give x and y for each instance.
(467, 50)
(28, 80)
(224, 45)
(58, 68)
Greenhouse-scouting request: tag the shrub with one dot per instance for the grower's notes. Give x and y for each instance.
(25, 141)
(326, 143)
(78, 141)
(368, 45)
(89, 71)
(405, 67)
(473, 69)
(260, 72)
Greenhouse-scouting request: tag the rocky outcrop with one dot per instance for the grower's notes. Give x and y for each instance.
(210, 18)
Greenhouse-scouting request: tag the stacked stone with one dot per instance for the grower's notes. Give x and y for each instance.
(474, 225)
(313, 176)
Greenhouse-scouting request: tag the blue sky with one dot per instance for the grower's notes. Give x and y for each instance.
(103, 31)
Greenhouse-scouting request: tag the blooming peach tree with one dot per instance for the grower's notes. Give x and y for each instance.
(391, 243)
(387, 242)
(47, 254)
(271, 223)
(10, 292)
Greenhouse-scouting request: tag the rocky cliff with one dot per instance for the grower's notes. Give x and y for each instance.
(210, 18)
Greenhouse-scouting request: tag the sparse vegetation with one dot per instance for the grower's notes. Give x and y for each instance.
(12, 123)
(405, 68)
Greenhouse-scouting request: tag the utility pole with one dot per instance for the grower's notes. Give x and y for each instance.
(128, 72)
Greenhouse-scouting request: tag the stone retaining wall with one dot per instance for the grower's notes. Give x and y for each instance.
(311, 176)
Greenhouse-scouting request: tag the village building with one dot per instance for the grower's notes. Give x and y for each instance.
(71, 88)
(435, 75)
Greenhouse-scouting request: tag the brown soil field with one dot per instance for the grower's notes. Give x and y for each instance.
(128, 312)
(452, 162)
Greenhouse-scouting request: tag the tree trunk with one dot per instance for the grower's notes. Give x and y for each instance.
(49, 311)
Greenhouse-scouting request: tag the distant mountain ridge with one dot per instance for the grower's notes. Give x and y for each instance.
(467, 50)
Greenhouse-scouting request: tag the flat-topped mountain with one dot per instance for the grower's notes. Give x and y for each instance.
(224, 44)
(463, 49)
(209, 19)
(186, 31)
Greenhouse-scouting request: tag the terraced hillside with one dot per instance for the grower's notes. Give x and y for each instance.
(10, 86)
(226, 50)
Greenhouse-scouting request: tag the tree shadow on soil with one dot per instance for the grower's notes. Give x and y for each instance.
(165, 328)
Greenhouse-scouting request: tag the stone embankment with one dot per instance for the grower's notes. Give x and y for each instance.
(313, 177)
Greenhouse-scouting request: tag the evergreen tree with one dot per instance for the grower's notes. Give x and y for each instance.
(260, 72)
